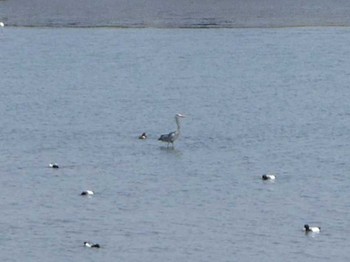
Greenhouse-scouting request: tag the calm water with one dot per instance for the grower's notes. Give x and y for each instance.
(179, 13)
(256, 101)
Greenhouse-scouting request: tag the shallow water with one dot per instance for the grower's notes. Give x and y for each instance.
(256, 101)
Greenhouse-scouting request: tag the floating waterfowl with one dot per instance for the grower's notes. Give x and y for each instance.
(53, 165)
(91, 245)
(268, 177)
(87, 193)
(307, 229)
(143, 136)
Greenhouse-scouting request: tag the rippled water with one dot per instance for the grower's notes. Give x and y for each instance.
(256, 101)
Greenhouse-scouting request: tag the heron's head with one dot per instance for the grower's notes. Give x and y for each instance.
(179, 115)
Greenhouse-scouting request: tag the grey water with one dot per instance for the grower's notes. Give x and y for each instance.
(255, 100)
(179, 13)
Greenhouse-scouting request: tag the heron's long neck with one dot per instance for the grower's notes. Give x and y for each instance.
(178, 124)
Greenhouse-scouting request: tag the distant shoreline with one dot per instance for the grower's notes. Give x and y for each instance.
(178, 27)
(175, 14)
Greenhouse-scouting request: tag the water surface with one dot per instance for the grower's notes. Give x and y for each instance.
(255, 100)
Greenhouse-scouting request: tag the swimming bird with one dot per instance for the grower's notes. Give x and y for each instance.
(2, 24)
(91, 245)
(87, 193)
(143, 136)
(312, 229)
(172, 136)
(268, 177)
(53, 165)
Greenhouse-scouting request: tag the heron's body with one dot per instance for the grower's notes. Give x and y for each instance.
(172, 136)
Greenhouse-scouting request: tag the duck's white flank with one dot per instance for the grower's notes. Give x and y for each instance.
(268, 177)
(87, 193)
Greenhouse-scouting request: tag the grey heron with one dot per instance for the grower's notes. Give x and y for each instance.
(172, 136)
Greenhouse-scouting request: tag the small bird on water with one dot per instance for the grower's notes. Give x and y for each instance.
(268, 177)
(53, 165)
(87, 193)
(143, 136)
(308, 229)
(172, 136)
(91, 245)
